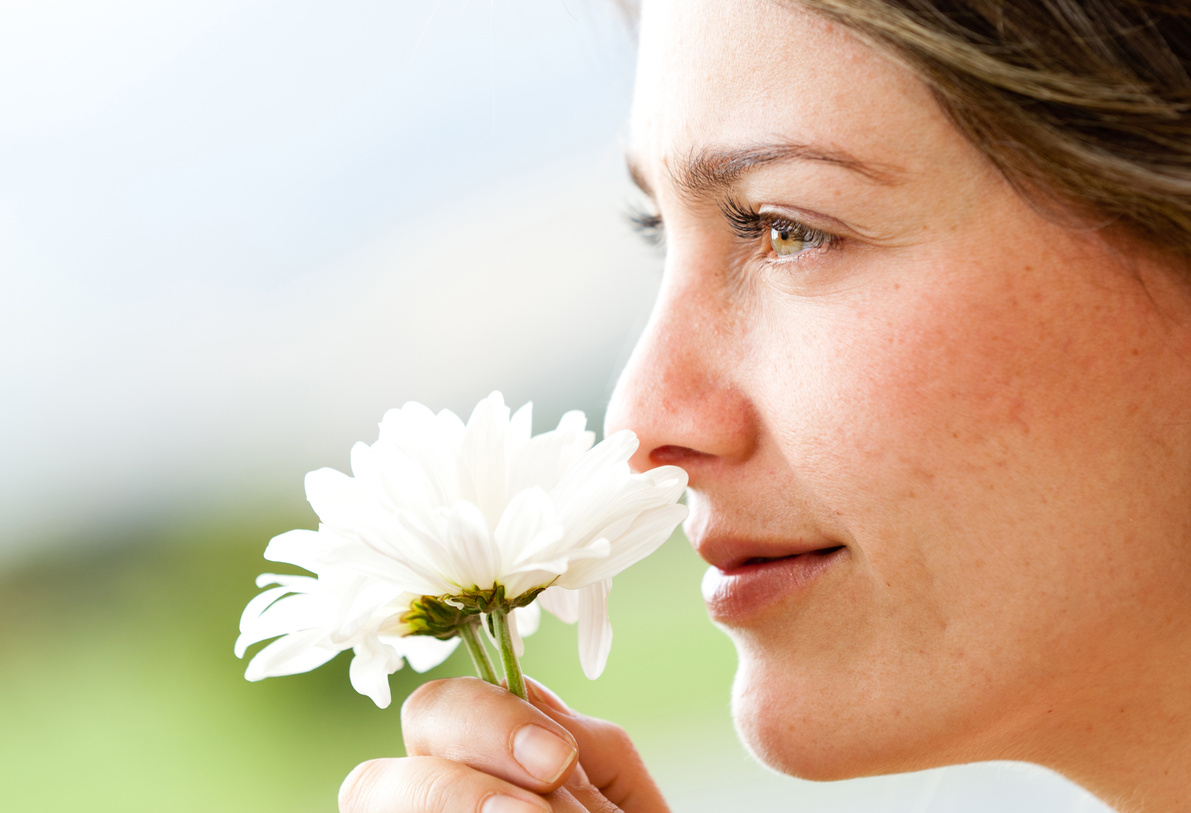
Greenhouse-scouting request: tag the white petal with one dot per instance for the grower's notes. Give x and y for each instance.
(407, 485)
(598, 510)
(520, 428)
(484, 478)
(518, 583)
(670, 480)
(298, 547)
(602, 509)
(429, 443)
(265, 579)
(573, 437)
(547, 550)
(422, 546)
(409, 411)
(292, 581)
(539, 571)
(561, 602)
(476, 559)
(370, 670)
(595, 629)
(299, 652)
(546, 457)
(528, 514)
(369, 604)
(515, 635)
(528, 619)
(592, 497)
(648, 532)
(548, 565)
(291, 614)
(610, 455)
(405, 574)
(451, 428)
(363, 462)
(416, 424)
(619, 526)
(573, 422)
(258, 603)
(424, 652)
(334, 496)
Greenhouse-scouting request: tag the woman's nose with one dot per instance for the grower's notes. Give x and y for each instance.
(684, 391)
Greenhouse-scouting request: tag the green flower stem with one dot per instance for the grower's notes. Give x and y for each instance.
(470, 633)
(504, 639)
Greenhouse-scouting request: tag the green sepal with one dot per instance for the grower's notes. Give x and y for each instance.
(432, 616)
(443, 616)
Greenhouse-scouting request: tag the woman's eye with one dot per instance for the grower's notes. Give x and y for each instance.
(788, 239)
(785, 240)
(775, 236)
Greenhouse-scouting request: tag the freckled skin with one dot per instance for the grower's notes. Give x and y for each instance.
(989, 407)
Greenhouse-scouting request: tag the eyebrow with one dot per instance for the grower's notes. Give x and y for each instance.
(709, 174)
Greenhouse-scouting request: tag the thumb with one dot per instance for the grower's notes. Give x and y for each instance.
(607, 756)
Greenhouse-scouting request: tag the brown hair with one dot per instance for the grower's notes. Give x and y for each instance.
(1084, 101)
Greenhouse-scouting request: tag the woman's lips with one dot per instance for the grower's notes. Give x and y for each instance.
(740, 590)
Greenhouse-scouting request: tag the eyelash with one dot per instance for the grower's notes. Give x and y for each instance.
(752, 226)
(748, 224)
(648, 225)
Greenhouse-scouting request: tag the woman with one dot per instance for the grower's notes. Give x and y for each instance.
(923, 346)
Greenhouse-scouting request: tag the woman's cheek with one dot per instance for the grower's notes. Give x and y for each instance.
(916, 389)
(909, 419)
(964, 424)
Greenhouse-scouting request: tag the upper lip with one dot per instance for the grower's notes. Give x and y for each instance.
(728, 553)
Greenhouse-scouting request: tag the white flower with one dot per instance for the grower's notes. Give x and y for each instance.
(441, 515)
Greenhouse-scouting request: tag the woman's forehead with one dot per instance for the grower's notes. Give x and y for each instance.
(721, 77)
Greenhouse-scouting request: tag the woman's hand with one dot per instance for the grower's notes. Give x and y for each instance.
(476, 748)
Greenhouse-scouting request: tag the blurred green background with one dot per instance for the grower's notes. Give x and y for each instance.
(232, 234)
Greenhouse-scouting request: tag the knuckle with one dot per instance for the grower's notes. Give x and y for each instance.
(435, 786)
(446, 693)
(422, 698)
(419, 714)
(447, 717)
(358, 786)
(459, 717)
(616, 737)
(427, 784)
(582, 797)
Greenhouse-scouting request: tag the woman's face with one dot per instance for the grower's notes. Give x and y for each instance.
(971, 420)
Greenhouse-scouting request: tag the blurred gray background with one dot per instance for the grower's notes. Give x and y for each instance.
(232, 234)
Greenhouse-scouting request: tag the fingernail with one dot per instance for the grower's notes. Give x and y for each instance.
(509, 804)
(543, 755)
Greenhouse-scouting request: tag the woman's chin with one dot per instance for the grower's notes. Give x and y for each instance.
(818, 730)
(784, 738)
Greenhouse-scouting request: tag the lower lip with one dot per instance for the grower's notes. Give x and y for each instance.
(735, 595)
